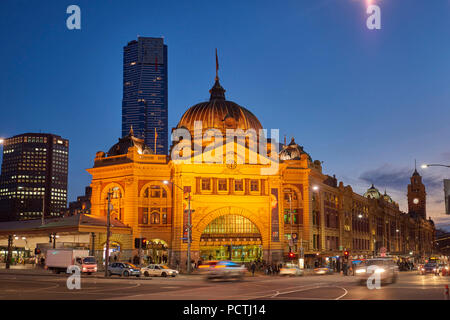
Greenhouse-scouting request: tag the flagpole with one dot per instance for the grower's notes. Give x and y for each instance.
(156, 136)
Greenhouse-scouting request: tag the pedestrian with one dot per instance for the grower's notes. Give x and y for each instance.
(344, 269)
(253, 268)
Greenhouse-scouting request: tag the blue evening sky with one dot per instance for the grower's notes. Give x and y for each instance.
(366, 102)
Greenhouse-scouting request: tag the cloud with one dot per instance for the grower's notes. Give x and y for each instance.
(390, 177)
(396, 180)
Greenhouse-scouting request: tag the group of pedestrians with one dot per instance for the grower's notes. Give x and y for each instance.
(262, 266)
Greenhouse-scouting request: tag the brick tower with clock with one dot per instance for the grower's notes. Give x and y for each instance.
(417, 196)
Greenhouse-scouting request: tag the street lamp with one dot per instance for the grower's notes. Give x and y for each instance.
(424, 166)
(188, 225)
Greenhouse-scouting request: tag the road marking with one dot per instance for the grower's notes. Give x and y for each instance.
(338, 298)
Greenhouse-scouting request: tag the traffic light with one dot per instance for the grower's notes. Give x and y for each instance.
(291, 255)
(140, 243)
(37, 251)
(346, 253)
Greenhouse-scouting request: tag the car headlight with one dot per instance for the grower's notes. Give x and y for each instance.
(360, 271)
(379, 270)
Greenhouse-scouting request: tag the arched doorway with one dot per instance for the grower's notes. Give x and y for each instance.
(231, 237)
(156, 251)
(114, 251)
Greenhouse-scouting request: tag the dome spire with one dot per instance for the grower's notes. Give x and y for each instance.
(217, 92)
(217, 67)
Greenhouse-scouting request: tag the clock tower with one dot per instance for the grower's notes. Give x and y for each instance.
(417, 196)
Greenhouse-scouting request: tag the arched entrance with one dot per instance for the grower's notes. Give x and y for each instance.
(156, 251)
(114, 251)
(231, 237)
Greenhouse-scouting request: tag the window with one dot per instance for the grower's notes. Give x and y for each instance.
(145, 216)
(206, 184)
(155, 191)
(222, 184)
(254, 185)
(238, 185)
(154, 218)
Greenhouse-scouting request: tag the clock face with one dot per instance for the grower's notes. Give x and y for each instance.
(416, 201)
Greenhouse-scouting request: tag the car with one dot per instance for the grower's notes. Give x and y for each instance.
(445, 270)
(123, 269)
(204, 267)
(322, 270)
(226, 270)
(386, 267)
(158, 270)
(429, 267)
(291, 270)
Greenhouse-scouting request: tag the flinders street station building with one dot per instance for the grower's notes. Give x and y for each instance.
(271, 202)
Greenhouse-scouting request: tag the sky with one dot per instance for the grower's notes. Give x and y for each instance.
(365, 102)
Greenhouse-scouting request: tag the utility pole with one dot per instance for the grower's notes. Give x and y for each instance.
(93, 244)
(189, 235)
(43, 209)
(290, 214)
(108, 226)
(140, 248)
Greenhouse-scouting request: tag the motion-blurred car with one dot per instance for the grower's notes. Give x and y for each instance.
(443, 269)
(158, 270)
(322, 270)
(291, 270)
(429, 267)
(225, 270)
(386, 267)
(446, 270)
(205, 266)
(123, 269)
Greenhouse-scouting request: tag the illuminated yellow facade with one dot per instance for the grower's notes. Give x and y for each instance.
(234, 204)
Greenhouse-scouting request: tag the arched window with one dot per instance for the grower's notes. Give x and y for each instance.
(155, 191)
(154, 218)
(231, 224)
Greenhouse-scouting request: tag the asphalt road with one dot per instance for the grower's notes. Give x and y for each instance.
(410, 286)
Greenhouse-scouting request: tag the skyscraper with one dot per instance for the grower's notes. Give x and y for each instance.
(145, 101)
(34, 175)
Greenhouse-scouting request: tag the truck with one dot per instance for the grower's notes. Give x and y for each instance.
(58, 260)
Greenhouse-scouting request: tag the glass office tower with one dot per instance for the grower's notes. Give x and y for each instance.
(145, 103)
(34, 176)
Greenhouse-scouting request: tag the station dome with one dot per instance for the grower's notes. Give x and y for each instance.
(372, 193)
(219, 113)
(127, 142)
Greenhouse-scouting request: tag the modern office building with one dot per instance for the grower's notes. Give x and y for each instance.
(33, 176)
(145, 99)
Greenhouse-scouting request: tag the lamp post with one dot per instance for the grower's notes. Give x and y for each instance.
(188, 226)
(108, 227)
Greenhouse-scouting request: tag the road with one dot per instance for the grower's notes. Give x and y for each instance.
(410, 286)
